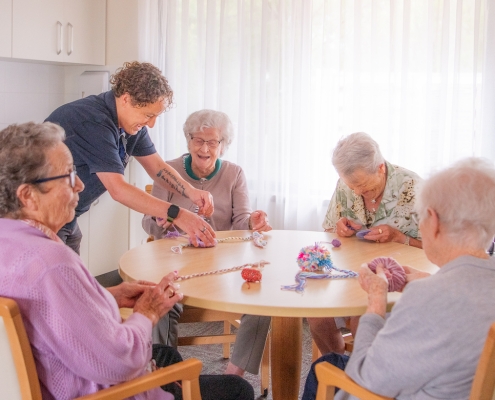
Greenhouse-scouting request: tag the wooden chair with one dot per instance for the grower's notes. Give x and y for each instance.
(19, 378)
(329, 377)
(230, 320)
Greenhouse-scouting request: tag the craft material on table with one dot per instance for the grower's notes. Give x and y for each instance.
(261, 264)
(313, 260)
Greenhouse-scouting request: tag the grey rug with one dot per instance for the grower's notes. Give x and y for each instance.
(214, 363)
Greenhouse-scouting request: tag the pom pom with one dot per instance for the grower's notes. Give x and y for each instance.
(201, 243)
(251, 275)
(336, 243)
(393, 270)
(314, 258)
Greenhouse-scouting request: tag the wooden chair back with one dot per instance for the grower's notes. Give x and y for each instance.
(19, 378)
(329, 377)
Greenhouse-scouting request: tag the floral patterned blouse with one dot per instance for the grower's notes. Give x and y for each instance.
(395, 208)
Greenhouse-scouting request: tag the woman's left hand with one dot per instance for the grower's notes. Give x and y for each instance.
(259, 221)
(384, 234)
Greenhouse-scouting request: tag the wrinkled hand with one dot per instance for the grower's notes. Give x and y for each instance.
(195, 226)
(376, 285)
(204, 201)
(413, 274)
(127, 293)
(384, 234)
(346, 227)
(157, 300)
(259, 221)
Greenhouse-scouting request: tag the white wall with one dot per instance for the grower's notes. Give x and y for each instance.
(29, 91)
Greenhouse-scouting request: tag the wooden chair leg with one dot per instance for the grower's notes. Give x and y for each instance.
(265, 367)
(226, 346)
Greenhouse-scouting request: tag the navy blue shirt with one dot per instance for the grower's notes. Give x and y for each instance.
(96, 142)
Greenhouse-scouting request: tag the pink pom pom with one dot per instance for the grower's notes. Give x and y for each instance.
(393, 270)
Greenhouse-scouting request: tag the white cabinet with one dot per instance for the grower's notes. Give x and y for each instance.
(105, 229)
(5, 28)
(69, 31)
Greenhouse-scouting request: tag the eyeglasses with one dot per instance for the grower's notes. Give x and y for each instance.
(71, 176)
(212, 144)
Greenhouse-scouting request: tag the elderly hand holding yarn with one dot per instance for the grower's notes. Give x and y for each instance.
(394, 272)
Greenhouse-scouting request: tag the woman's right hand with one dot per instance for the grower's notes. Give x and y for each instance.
(156, 301)
(346, 228)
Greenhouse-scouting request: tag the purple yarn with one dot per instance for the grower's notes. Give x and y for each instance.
(201, 243)
(336, 243)
(395, 273)
(363, 233)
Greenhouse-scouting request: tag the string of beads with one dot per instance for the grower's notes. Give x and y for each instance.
(260, 264)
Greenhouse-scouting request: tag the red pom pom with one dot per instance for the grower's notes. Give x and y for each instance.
(251, 275)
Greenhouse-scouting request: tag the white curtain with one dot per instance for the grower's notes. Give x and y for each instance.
(296, 75)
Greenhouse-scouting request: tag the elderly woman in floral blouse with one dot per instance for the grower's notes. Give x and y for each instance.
(371, 194)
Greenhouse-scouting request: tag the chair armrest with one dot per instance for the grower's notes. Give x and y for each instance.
(329, 377)
(187, 371)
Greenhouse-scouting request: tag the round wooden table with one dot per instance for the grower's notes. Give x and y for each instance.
(229, 292)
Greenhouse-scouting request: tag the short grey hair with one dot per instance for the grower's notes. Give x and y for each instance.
(199, 120)
(357, 151)
(23, 159)
(463, 196)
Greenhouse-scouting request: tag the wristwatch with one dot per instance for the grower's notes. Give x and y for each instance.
(172, 213)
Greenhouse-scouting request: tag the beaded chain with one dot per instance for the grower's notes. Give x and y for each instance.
(256, 237)
(260, 264)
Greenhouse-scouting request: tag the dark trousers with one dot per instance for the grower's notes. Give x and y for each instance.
(311, 386)
(212, 387)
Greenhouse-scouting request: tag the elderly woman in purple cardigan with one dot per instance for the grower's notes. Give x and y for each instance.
(79, 342)
(209, 134)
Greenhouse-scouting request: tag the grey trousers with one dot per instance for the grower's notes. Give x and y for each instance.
(248, 347)
(250, 342)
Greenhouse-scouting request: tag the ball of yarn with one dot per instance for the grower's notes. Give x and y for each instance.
(202, 244)
(336, 243)
(251, 275)
(314, 258)
(393, 270)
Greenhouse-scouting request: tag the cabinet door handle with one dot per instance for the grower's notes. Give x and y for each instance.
(70, 44)
(60, 39)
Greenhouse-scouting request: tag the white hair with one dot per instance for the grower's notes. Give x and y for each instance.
(199, 120)
(357, 151)
(463, 196)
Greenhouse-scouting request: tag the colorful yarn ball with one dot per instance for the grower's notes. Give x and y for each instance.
(201, 243)
(314, 258)
(251, 275)
(393, 270)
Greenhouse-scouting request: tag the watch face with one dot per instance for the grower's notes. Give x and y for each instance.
(173, 211)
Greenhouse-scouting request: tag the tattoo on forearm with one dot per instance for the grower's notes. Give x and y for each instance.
(172, 181)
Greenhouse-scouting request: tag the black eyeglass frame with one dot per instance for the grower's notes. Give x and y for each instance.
(212, 144)
(71, 176)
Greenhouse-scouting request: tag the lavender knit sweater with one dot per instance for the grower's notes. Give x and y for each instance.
(79, 342)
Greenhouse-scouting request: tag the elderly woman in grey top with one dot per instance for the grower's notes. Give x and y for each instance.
(209, 134)
(371, 194)
(430, 345)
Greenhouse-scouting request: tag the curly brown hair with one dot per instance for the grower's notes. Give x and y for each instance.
(144, 82)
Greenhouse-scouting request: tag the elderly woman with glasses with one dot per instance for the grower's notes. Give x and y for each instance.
(419, 352)
(372, 195)
(209, 134)
(80, 344)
